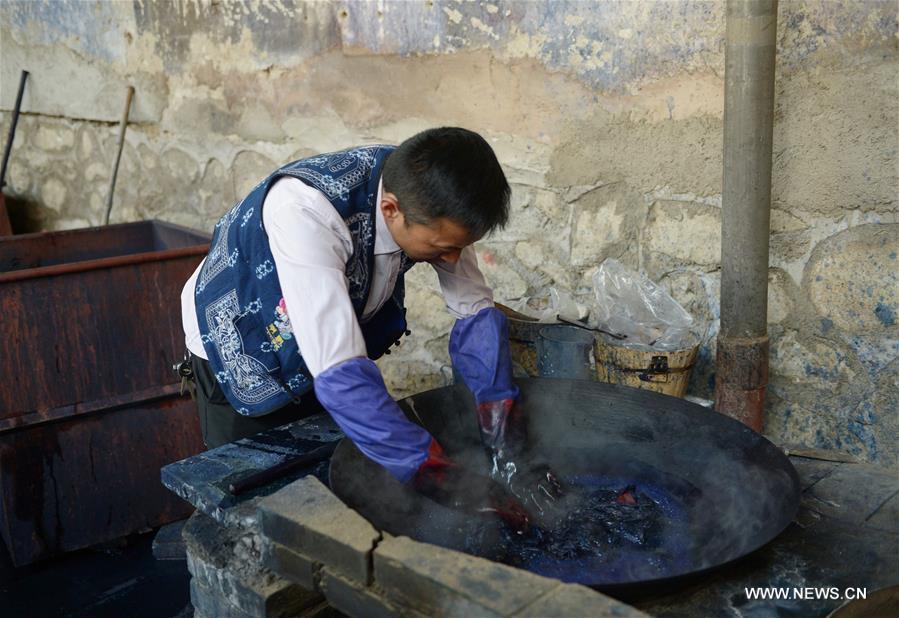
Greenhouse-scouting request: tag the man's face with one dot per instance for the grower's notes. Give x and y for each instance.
(441, 240)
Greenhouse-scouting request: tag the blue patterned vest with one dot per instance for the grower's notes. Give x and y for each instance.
(244, 324)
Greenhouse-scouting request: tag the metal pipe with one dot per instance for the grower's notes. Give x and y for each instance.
(742, 365)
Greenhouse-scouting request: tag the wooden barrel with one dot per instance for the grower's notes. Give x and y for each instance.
(655, 370)
(523, 333)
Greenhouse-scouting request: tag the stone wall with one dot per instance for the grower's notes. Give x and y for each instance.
(606, 115)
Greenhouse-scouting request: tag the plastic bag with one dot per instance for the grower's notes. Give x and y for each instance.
(628, 303)
(560, 302)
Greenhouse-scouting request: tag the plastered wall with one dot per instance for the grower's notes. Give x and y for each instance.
(607, 117)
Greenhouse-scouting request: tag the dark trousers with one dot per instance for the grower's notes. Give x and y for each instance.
(221, 423)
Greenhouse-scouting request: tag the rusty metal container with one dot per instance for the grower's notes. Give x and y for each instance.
(5, 226)
(89, 404)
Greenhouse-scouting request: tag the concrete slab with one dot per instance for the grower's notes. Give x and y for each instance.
(310, 520)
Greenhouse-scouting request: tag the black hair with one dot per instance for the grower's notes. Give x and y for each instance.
(449, 172)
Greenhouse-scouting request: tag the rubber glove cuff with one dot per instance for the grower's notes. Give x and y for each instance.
(355, 395)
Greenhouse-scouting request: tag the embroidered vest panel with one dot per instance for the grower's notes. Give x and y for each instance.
(244, 324)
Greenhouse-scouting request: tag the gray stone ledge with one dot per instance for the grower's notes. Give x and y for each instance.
(571, 600)
(308, 519)
(290, 565)
(226, 561)
(449, 583)
(208, 603)
(354, 600)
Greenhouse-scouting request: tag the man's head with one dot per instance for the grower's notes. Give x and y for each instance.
(443, 190)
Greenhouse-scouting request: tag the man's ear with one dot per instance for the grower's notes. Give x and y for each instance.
(390, 206)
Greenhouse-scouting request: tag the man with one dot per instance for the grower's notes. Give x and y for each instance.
(303, 287)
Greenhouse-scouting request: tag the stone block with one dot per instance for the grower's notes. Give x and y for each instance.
(207, 602)
(168, 544)
(568, 600)
(443, 582)
(308, 519)
(54, 138)
(258, 594)
(249, 168)
(498, 269)
(224, 563)
(54, 193)
(852, 279)
(808, 362)
(353, 599)
(290, 565)
(685, 231)
(601, 227)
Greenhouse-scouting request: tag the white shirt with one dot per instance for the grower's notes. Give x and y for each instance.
(311, 246)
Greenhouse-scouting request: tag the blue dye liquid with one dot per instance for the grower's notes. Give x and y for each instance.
(602, 541)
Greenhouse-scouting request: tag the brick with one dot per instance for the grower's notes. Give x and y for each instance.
(290, 565)
(449, 583)
(568, 600)
(308, 519)
(353, 599)
(225, 562)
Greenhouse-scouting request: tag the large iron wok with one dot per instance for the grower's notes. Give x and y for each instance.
(735, 489)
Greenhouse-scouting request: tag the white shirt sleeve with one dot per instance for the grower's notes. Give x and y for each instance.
(311, 246)
(464, 289)
(189, 320)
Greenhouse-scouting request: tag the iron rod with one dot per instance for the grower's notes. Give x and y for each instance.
(12, 127)
(118, 156)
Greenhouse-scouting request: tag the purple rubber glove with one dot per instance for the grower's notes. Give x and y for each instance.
(479, 349)
(353, 392)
